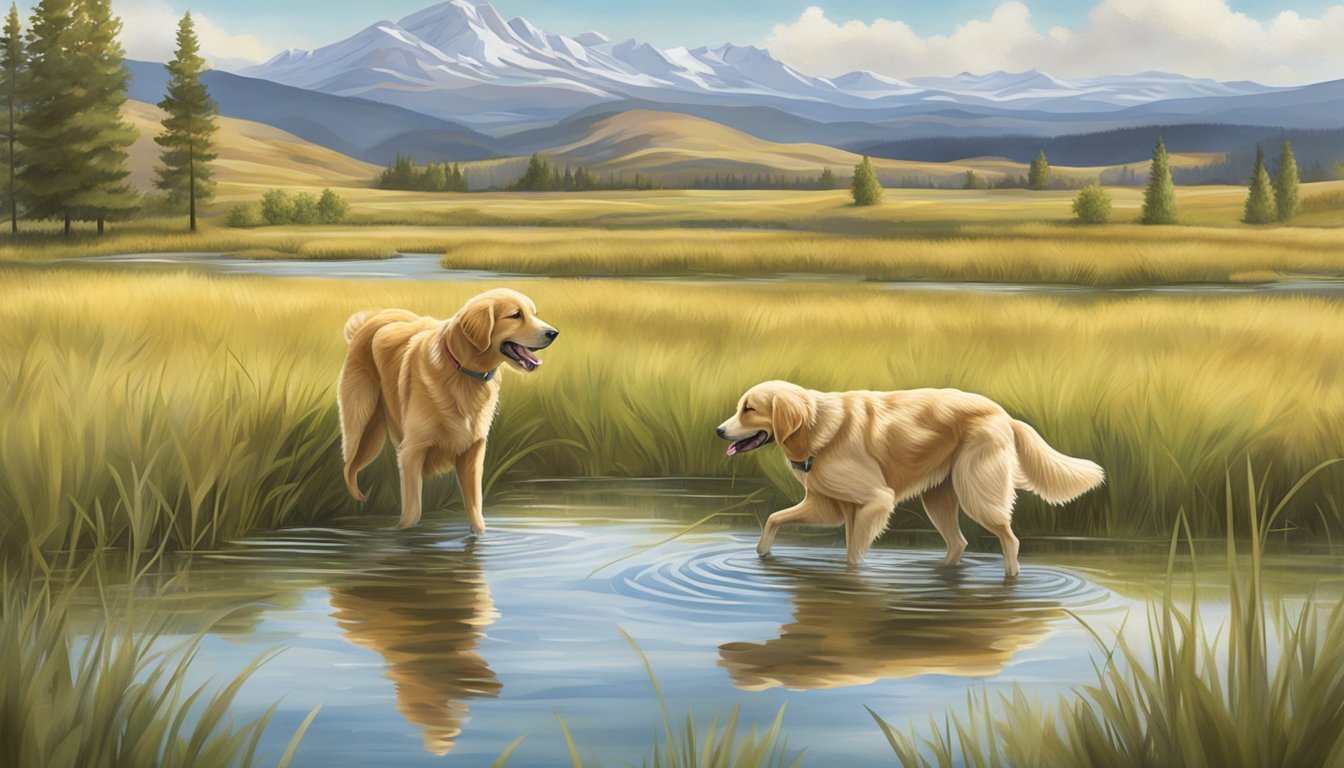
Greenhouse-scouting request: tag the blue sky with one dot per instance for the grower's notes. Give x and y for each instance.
(662, 22)
(1271, 41)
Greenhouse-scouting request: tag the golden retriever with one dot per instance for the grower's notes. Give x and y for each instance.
(431, 386)
(858, 454)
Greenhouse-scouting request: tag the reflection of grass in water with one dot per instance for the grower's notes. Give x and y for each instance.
(180, 410)
(112, 696)
(1190, 696)
(720, 745)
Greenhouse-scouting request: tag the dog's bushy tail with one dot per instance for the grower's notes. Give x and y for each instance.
(353, 325)
(1048, 473)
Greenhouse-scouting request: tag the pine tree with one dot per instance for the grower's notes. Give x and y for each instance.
(1285, 183)
(11, 69)
(826, 180)
(866, 188)
(969, 181)
(1039, 176)
(188, 126)
(50, 175)
(1260, 207)
(104, 192)
(1159, 199)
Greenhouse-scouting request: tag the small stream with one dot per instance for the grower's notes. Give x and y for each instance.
(425, 267)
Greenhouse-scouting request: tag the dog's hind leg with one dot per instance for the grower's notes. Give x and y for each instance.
(812, 509)
(983, 479)
(870, 519)
(940, 504)
(411, 461)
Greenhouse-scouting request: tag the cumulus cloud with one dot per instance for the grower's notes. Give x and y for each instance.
(150, 33)
(1194, 37)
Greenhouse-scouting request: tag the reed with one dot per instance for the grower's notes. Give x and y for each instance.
(180, 410)
(1262, 689)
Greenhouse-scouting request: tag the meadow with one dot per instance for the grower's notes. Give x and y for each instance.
(178, 410)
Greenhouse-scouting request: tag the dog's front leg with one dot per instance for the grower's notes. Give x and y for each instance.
(411, 462)
(470, 468)
(812, 508)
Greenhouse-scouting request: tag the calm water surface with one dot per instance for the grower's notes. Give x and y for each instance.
(433, 647)
(425, 267)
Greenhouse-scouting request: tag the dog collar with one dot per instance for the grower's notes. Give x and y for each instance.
(802, 466)
(487, 376)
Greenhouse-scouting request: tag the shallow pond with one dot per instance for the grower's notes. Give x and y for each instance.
(425, 267)
(433, 647)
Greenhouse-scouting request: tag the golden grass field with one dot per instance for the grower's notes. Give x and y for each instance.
(152, 405)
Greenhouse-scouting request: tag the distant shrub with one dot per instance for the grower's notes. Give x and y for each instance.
(1093, 204)
(331, 208)
(304, 210)
(242, 216)
(276, 207)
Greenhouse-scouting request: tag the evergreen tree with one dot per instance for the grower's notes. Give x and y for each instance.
(11, 69)
(50, 175)
(1159, 199)
(968, 180)
(1260, 207)
(1285, 183)
(1039, 176)
(827, 179)
(187, 127)
(866, 188)
(435, 178)
(104, 192)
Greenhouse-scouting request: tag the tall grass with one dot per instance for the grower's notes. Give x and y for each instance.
(181, 410)
(1264, 689)
(113, 694)
(1040, 253)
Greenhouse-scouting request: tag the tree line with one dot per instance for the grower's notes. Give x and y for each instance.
(63, 84)
(404, 174)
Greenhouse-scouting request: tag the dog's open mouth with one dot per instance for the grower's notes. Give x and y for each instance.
(520, 355)
(750, 443)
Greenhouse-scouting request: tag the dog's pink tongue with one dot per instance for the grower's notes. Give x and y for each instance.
(528, 357)
(732, 449)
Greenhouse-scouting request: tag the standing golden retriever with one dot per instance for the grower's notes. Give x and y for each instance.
(858, 454)
(431, 386)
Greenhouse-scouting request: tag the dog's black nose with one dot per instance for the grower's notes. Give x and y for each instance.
(719, 431)
(551, 334)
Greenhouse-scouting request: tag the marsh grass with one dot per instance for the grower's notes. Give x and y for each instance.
(178, 411)
(1023, 253)
(115, 693)
(1263, 689)
(721, 744)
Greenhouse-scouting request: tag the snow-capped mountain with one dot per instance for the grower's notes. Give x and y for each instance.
(462, 60)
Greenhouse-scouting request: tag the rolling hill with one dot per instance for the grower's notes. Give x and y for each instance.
(250, 155)
(676, 148)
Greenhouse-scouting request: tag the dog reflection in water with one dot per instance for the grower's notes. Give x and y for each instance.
(425, 613)
(849, 631)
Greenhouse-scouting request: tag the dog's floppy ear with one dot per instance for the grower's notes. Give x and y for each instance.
(477, 321)
(791, 414)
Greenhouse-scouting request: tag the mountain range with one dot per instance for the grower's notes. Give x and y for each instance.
(461, 60)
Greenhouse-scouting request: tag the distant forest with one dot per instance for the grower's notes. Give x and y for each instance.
(1319, 152)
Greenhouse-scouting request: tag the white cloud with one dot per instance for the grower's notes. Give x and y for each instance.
(1194, 37)
(149, 32)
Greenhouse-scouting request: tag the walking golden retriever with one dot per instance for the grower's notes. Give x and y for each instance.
(431, 386)
(858, 454)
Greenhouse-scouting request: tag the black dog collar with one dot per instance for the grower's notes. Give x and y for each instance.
(802, 466)
(479, 376)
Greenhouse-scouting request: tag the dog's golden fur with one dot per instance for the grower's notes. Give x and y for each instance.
(872, 450)
(409, 378)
